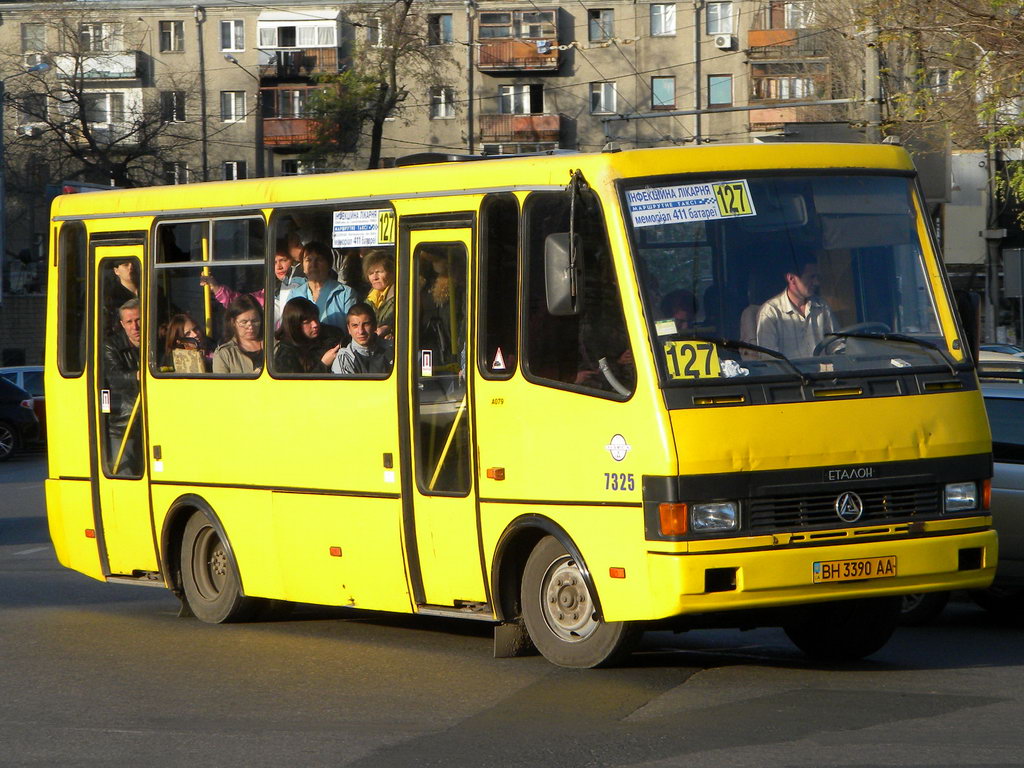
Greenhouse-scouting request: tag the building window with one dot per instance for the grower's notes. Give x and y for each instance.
(33, 37)
(176, 173)
(375, 32)
(172, 106)
(663, 92)
(285, 102)
(172, 36)
(602, 98)
(938, 81)
(797, 15)
(663, 19)
(232, 35)
(601, 24)
(517, 24)
(442, 103)
(719, 20)
(103, 107)
(32, 108)
(233, 170)
(294, 167)
(439, 28)
(525, 99)
(97, 36)
(719, 90)
(232, 106)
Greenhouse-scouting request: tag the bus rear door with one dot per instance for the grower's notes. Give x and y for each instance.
(118, 445)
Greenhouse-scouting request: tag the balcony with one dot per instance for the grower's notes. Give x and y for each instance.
(288, 131)
(520, 128)
(299, 62)
(122, 65)
(786, 43)
(518, 55)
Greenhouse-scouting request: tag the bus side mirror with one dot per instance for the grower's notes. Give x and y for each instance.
(968, 307)
(563, 274)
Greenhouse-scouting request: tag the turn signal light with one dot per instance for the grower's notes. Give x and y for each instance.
(90, 533)
(335, 551)
(673, 519)
(617, 573)
(986, 494)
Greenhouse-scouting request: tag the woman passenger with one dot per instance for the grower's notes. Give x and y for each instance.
(183, 333)
(304, 344)
(243, 352)
(380, 273)
(332, 299)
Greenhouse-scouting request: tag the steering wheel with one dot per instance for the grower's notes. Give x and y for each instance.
(824, 346)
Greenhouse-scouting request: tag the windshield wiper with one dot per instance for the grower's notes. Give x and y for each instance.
(900, 337)
(739, 344)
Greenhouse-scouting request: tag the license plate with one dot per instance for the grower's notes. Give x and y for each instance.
(854, 570)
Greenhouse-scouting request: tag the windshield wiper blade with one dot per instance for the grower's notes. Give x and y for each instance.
(740, 344)
(944, 354)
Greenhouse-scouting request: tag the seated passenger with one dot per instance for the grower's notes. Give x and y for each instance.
(380, 272)
(182, 333)
(243, 352)
(304, 344)
(681, 306)
(367, 352)
(332, 299)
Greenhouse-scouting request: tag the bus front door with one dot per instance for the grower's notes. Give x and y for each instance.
(118, 451)
(441, 517)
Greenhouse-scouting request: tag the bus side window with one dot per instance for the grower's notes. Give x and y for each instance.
(208, 303)
(499, 286)
(588, 350)
(71, 293)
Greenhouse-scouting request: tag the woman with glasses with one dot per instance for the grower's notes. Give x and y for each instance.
(304, 344)
(243, 352)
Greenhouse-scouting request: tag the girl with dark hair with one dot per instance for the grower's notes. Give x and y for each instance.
(304, 344)
(183, 333)
(243, 352)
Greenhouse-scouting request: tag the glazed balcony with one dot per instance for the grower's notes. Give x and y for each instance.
(299, 62)
(518, 55)
(288, 131)
(122, 65)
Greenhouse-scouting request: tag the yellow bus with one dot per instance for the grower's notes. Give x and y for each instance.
(721, 386)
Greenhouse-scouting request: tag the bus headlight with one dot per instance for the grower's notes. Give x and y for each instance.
(961, 497)
(714, 516)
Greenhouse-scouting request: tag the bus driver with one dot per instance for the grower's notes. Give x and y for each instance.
(795, 321)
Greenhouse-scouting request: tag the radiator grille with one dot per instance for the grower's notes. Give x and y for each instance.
(881, 505)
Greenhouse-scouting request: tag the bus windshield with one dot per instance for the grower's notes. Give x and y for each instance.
(795, 275)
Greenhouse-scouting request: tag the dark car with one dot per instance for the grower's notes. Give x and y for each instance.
(30, 378)
(18, 422)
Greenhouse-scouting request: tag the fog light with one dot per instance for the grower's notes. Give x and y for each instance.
(714, 516)
(961, 497)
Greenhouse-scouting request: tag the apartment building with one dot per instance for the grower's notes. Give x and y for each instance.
(174, 92)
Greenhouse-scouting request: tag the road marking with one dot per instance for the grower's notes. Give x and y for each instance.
(31, 551)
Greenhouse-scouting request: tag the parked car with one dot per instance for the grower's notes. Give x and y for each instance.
(18, 422)
(30, 378)
(1006, 349)
(1004, 402)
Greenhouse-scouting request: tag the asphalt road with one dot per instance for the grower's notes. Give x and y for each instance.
(98, 674)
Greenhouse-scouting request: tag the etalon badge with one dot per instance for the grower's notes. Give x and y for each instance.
(849, 507)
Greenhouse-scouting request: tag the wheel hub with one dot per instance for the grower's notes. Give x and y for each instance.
(568, 609)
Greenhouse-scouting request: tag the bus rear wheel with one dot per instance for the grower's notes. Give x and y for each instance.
(560, 613)
(845, 630)
(209, 575)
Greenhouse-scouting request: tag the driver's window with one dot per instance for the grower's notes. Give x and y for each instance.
(589, 351)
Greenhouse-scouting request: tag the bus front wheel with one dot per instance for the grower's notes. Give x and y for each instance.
(845, 630)
(209, 576)
(560, 614)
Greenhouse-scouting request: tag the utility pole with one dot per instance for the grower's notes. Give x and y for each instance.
(698, 5)
(200, 17)
(872, 88)
(470, 63)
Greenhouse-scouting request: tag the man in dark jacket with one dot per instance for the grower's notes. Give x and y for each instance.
(121, 390)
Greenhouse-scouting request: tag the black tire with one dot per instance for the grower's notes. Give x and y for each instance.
(9, 442)
(844, 630)
(560, 615)
(921, 608)
(209, 575)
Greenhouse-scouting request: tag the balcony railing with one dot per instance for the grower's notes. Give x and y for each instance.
(299, 62)
(288, 131)
(123, 65)
(520, 128)
(518, 55)
(786, 43)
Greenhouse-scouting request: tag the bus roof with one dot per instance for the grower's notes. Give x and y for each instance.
(493, 174)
